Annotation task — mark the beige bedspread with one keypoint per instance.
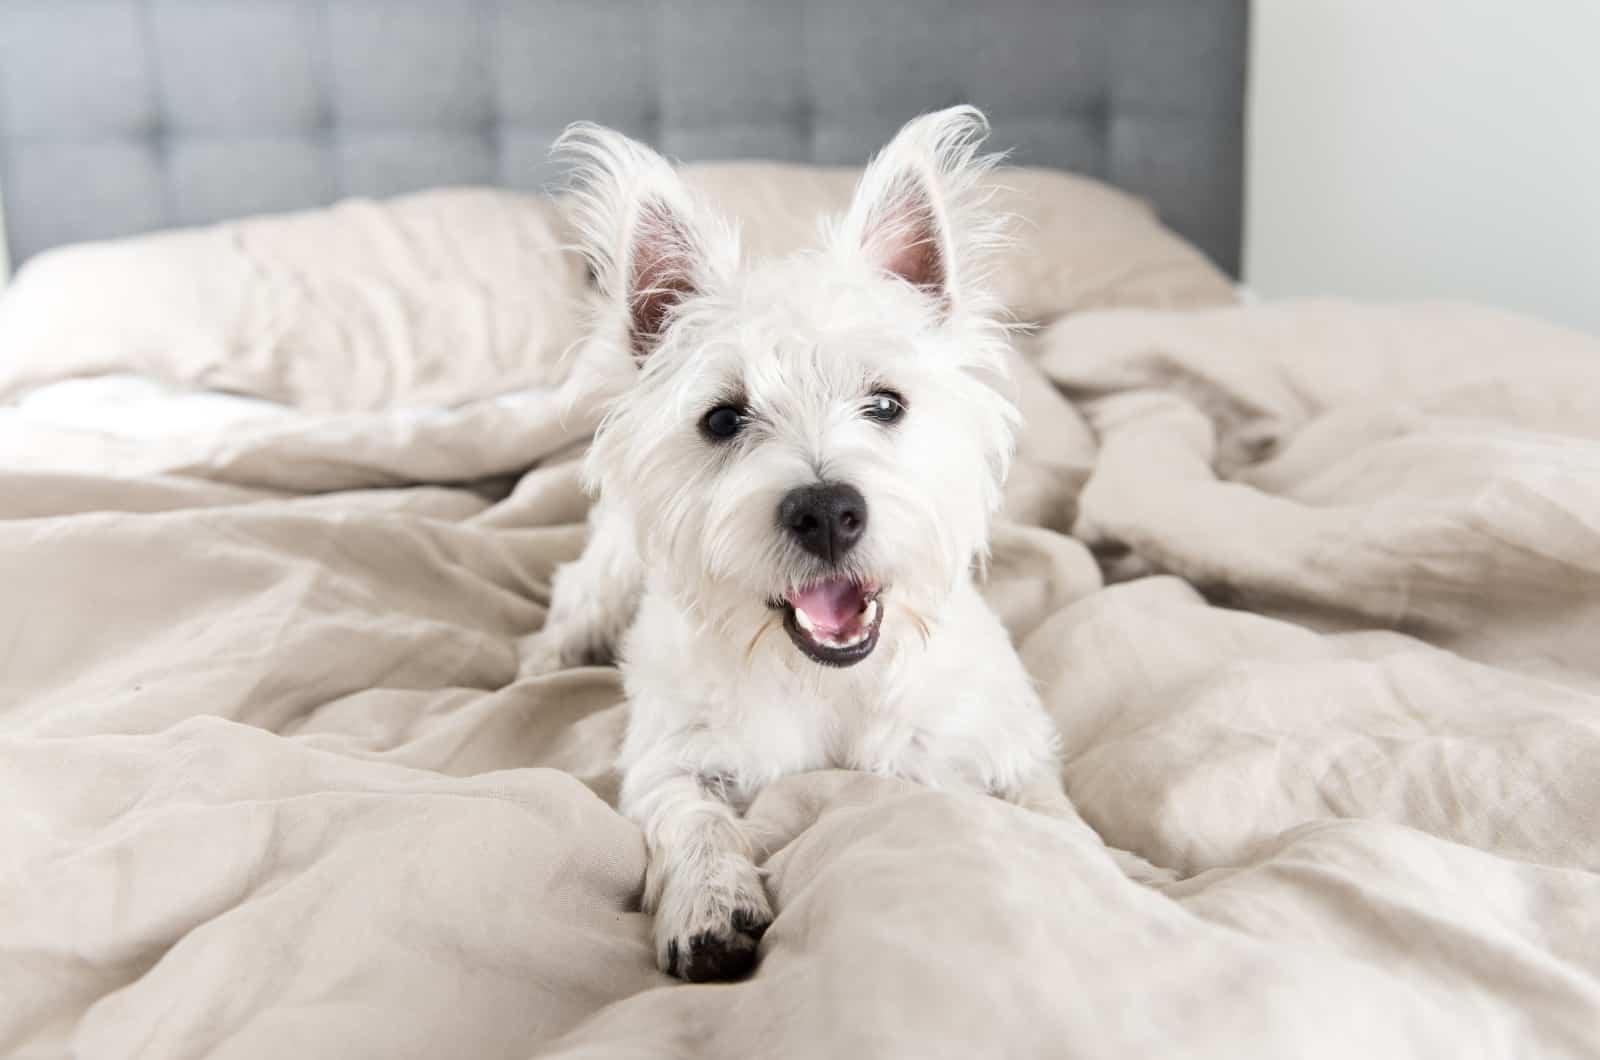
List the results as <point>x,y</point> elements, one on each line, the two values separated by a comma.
<point>270,785</point>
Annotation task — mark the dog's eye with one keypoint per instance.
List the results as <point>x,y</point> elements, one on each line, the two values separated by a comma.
<point>885,406</point>
<point>723,422</point>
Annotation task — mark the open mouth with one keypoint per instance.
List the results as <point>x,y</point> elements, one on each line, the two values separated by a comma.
<point>834,621</point>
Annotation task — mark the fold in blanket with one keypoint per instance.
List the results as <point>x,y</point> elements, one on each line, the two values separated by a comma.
<point>270,785</point>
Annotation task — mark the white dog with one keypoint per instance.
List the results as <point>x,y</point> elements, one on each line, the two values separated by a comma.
<point>794,487</point>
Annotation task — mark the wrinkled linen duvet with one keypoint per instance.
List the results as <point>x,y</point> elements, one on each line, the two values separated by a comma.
<point>1324,639</point>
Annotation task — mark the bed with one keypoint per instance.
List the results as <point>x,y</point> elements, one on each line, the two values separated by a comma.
<point>1310,587</point>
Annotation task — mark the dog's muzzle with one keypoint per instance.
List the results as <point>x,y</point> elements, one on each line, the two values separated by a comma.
<point>833,619</point>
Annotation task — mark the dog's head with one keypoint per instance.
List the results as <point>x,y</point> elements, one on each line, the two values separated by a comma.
<point>814,440</point>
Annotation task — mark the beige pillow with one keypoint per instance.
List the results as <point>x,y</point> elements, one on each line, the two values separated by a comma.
<point>427,299</point>
<point>1076,243</point>
<point>441,297</point>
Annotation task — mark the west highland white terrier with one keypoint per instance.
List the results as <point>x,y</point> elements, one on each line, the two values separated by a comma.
<point>794,487</point>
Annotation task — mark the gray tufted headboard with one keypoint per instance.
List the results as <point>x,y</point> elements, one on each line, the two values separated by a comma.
<point>121,116</point>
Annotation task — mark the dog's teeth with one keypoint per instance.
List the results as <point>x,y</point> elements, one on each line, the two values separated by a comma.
<point>871,613</point>
<point>802,619</point>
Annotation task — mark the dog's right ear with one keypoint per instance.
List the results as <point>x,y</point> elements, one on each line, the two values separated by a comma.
<point>649,244</point>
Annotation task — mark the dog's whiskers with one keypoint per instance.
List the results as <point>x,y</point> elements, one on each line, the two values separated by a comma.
<point>750,649</point>
<point>920,622</point>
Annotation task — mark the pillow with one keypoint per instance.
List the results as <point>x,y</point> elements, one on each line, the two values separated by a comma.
<point>1076,243</point>
<point>441,297</point>
<point>428,299</point>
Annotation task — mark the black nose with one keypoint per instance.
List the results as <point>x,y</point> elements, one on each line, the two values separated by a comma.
<point>826,519</point>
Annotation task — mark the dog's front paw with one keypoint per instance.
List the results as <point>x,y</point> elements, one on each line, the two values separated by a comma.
<point>710,957</point>
<point>561,648</point>
<point>709,930</point>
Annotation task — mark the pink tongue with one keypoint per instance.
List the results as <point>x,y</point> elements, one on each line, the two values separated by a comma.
<point>832,606</point>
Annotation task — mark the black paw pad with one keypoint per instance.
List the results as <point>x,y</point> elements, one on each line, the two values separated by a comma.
<point>716,957</point>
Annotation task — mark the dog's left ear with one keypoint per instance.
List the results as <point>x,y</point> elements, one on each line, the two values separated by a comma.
<point>650,245</point>
<point>919,210</point>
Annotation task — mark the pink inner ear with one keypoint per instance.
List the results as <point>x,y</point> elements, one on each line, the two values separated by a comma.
<point>905,239</point>
<point>660,276</point>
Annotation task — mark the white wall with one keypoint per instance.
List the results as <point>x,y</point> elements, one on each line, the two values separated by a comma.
<point>1427,148</point>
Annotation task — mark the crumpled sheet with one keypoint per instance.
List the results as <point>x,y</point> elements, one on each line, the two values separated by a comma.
<point>269,783</point>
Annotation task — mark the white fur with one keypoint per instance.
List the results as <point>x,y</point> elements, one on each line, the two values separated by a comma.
<point>685,530</point>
